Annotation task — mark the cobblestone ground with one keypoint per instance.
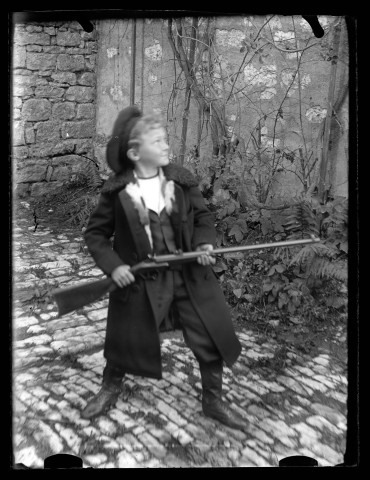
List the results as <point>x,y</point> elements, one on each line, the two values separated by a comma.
<point>57,367</point>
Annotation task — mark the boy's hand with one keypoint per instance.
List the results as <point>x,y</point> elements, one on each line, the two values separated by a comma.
<point>122,276</point>
<point>206,259</point>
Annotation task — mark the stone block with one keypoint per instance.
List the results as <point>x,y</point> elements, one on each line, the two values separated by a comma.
<point>64,77</point>
<point>41,81</point>
<point>50,30</point>
<point>34,28</point>
<point>41,150</point>
<point>81,129</point>
<point>85,110</point>
<point>93,46</point>
<point>87,78</point>
<point>49,149</point>
<point>76,51</point>
<point>36,109</point>
<point>89,35</point>
<point>64,147</point>
<point>22,190</point>
<point>49,172</point>
<point>90,62</point>
<point>64,110</point>
<point>22,91</point>
<point>16,114</point>
<point>33,48</point>
<point>41,61</point>
<point>36,38</point>
<point>70,62</point>
<point>16,102</point>
<point>31,172</point>
<point>53,49</point>
<point>49,91</point>
<point>48,131</point>
<point>80,94</point>
<point>19,152</point>
<point>68,39</point>
<point>30,135</point>
<point>18,133</point>
<point>24,80</point>
<point>19,57</point>
<point>83,146</point>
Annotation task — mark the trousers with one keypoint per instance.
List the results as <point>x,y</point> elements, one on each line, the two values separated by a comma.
<point>171,293</point>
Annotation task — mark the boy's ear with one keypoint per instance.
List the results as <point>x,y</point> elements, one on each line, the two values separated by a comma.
<point>133,154</point>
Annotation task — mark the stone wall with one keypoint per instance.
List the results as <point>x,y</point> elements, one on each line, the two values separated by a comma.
<point>53,96</point>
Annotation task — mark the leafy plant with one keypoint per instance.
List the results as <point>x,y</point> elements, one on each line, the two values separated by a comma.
<point>73,203</point>
<point>326,259</point>
<point>299,271</point>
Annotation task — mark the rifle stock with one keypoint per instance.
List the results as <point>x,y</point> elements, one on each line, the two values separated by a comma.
<point>74,297</point>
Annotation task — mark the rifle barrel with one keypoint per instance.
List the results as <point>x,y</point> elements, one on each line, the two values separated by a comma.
<point>242,248</point>
<point>286,243</point>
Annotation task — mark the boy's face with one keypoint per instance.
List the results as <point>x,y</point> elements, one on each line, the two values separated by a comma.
<point>153,148</point>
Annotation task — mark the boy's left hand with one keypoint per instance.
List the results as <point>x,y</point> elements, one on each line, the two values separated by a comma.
<point>206,259</point>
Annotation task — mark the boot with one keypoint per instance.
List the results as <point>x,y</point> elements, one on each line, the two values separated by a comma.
<point>106,397</point>
<point>212,403</point>
<point>108,394</point>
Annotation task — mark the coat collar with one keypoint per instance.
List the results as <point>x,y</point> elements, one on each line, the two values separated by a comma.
<point>137,214</point>
<point>178,174</point>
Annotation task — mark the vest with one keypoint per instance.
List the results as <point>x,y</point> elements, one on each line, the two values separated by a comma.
<point>162,233</point>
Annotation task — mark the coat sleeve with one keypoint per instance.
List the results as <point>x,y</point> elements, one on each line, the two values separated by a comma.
<point>98,233</point>
<point>204,228</point>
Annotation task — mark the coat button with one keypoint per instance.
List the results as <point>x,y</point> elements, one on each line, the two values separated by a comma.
<point>134,257</point>
<point>207,276</point>
<point>135,287</point>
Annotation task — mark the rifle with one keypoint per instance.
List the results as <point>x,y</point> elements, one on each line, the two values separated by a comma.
<point>74,297</point>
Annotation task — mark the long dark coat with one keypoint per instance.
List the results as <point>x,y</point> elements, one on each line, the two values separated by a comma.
<point>132,337</point>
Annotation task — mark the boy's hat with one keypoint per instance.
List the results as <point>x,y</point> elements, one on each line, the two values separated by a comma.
<point>117,146</point>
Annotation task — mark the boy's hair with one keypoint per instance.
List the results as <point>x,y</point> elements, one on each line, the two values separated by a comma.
<point>144,125</point>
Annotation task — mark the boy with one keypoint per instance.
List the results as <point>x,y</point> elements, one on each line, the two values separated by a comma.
<point>153,207</point>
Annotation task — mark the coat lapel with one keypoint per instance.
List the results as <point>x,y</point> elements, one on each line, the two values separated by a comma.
<point>177,215</point>
<point>137,230</point>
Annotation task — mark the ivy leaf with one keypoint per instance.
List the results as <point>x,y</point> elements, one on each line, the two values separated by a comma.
<point>296,301</point>
<point>267,287</point>
<point>291,308</point>
<point>231,208</point>
<point>281,303</point>
<point>280,268</point>
<point>335,301</point>
<point>271,271</point>
<point>238,234</point>
<point>270,298</point>
<point>220,267</point>
<point>305,290</point>
<point>237,292</point>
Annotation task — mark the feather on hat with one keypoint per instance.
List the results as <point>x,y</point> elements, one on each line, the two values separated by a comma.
<point>117,146</point>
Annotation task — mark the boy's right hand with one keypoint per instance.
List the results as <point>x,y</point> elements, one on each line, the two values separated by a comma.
<point>122,276</point>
